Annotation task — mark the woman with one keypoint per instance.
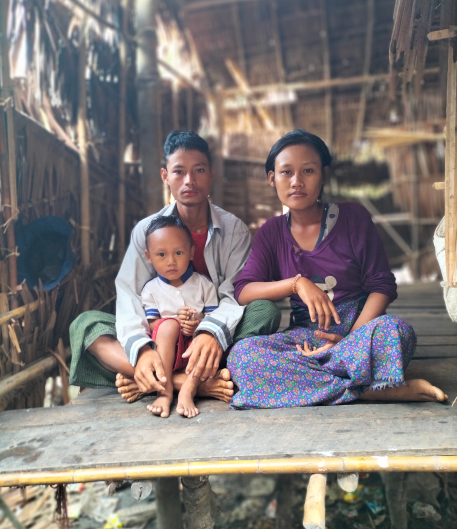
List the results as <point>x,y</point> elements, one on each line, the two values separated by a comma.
<point>329,259</point>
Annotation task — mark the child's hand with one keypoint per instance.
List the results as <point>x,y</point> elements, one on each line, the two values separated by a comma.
<point>188,321</point>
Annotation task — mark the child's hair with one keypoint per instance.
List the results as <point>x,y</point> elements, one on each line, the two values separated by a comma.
<point>167,221</point>
<point>187,140</point>
<point>298,137</point>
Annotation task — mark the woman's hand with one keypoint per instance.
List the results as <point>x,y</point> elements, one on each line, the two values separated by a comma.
<point>332,340</point>
<point>318,303</point>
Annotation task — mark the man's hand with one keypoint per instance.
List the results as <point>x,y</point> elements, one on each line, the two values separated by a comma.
<point>189,320</point>
<point>204,355</point>
<point>332,340</point>
<point>149,372</point>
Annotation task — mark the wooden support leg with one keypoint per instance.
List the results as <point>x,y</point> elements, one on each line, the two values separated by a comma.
<point>168,504</point>
<point>314,516</point>
<point>201,510</point>
<point>284,499</point>
<point>395,484</point>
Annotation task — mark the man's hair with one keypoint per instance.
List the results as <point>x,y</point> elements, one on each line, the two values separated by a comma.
<point>298,137</point>
<point>167,221</point>
<point>187,140</point>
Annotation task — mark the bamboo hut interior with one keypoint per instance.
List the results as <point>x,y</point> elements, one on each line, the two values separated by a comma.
<point>241,73</point>
<point>89,90</point>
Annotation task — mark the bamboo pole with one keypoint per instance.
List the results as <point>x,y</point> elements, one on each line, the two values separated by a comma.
<point>5,80</point>
<point>31,372</point>
<point>82,142</point>
<point>322,465</point>
<point>121,131</point>
<point>314,515</point>
<point>17,313</point>
<point>321,84</point>
<point>148,83</point>
<point>7,213</point>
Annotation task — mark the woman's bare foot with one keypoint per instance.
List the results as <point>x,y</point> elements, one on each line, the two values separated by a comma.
<point>220,387</point>
<point>416,390</point>
<point>128,388</point>
<point>186,406</point>
<point>161,406</point>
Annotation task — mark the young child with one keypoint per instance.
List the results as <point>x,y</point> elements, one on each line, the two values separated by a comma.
<point>175,302</point>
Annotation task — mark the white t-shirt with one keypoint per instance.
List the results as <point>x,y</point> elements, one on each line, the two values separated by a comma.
<point>160,299</point>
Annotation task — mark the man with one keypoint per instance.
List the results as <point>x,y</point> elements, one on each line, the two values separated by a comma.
<point>109,350</point>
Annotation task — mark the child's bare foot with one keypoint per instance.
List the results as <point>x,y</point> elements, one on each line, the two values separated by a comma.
<point>416,390</point>
<point>128,388</point>
<point>161,406</point>
<point>186,406</point>
<point>220,387</point>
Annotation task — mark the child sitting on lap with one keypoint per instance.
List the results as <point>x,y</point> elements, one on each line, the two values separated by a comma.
<point>175,302</point>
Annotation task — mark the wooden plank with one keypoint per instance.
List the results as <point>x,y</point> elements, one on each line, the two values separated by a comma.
<point>440,351</point>
<point>108,431</point>
<point>443,34</point>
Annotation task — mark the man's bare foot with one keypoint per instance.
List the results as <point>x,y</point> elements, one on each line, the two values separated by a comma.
<point>220,387</point>
<point>186,406</point>
<point>416,390</point>
<point>128,388</point>
<point>161,406</point>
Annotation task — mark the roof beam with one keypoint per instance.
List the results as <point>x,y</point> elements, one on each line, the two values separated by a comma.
<point>321,84</point>
<point>203,4</point>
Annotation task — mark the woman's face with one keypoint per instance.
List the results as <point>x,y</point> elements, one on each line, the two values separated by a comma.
<point>298,176</point>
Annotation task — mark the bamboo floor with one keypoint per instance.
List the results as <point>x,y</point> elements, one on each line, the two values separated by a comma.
<point>100,431</point>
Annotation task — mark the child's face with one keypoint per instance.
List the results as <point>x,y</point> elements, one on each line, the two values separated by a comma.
<point>169,251</point>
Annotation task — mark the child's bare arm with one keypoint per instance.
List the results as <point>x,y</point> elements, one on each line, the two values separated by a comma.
<point>153,323</point>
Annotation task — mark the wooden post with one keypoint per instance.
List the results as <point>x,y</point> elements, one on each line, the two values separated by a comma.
<point>314,515</point>
<point>5,80</point>
<point>327,75</point>
<point>395,485</point>
<point>168,504</point>
<point>284,501</point>
<point>239,39</point>
<point>121,130</point>
<point>148,102</point>
<point>450,171</point>
<point>279,58</point>
<point>366,71</point>
<point>415,216</point>
<point>218,163</point>
<point>82,143</point>
<point>201,510</point>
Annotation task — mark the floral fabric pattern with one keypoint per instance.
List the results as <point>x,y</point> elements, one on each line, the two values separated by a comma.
<point>271,373</point>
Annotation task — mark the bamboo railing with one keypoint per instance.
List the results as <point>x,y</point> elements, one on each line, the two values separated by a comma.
<point>320,465</point>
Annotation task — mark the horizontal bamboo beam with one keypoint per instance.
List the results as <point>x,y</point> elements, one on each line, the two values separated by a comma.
<point>443,34</point>
<point>320,84</point>
<point>439,185</point>
<point>316,465</point>
<point>31,372</point>
<point>203,4</point>
<point>20,311</point>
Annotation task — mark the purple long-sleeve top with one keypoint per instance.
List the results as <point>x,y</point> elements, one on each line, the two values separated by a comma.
<point>349,261</point>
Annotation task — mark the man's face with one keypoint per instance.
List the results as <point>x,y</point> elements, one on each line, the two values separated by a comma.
<point>188,174</point>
